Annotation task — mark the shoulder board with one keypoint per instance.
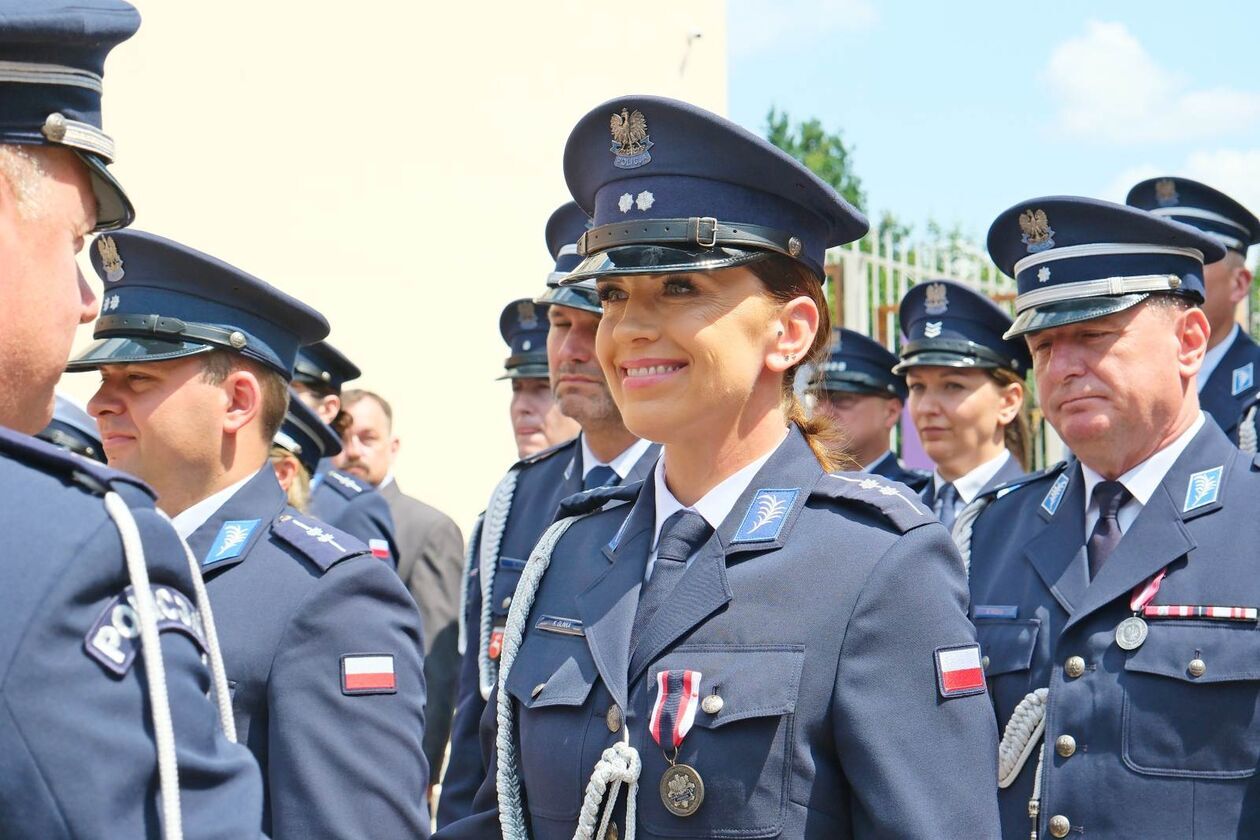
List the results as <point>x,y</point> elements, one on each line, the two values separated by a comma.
<point>894,500</point>
<point>546,453</point>
<point>91,475</point>
<point>346,485</point>
<point>590,501</point>
<point>1031,478</point>
<point>321,543</point>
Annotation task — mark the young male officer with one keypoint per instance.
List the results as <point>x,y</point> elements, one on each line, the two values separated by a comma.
<point>321,640</point>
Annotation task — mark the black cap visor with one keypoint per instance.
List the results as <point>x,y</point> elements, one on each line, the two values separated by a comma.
<point>1073,311</point>
<point>660,259</point>
<point>122,350</point>
<point>573,297</point>
<point>113,208</point>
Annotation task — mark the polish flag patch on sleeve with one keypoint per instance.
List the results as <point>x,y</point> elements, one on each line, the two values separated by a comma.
<point>380,549</point>
<point>958,671</point>
<point>368,673</point>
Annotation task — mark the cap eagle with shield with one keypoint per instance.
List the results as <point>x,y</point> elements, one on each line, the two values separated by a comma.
<point>1074,259</point>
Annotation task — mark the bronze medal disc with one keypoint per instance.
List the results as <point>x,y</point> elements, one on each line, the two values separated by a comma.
<point>1131,633</point>
<point>682,790</point>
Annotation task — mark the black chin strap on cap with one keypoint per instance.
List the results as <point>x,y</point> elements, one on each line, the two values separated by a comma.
<point>704,231</point>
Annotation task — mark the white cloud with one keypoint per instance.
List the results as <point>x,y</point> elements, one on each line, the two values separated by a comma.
<point>757,25</point>
<point>1110,88</point>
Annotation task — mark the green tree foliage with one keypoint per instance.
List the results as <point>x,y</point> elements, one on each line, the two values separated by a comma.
<point>823,152</point>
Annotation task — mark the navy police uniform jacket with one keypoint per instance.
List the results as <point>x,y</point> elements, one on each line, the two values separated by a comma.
<point>353,505</point>
<point>890,466</point>
<point>1159,747</point>
<point>77,752</point>
<point>544,479</point>
<point>322,647</point>
<point>1232,384</point>
<point>1009,472</point>
<point>817,611</point>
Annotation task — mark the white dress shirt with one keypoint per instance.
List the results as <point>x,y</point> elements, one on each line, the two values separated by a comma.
<point>1212,359</point>
<point>1140,481</point>
<point>621,465</point>
<point>970,485</point>
<point>192,518</point>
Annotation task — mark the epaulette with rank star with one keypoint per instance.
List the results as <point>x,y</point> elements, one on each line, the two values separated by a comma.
<point>86,473</point>
<point>322,544</point>
<point>895,501</point>
<point>344,484</point>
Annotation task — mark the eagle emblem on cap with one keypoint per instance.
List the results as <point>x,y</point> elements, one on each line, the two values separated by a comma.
<point>111,262</point>
<point>527,315</point>
<point>936,301</point>
<point>1166,192</point>
<point>630,141</point>
<point>1038,235</point>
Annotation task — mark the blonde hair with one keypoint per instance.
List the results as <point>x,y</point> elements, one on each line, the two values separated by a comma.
<point>25,174</point>
<point>1017,434</point>
<point>300,488</point>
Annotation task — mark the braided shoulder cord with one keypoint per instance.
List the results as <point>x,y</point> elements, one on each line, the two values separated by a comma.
<point>1021,735</point>
<point>963,526</point>
<point>1247,431</point>
<point>508,780</point>
<point>494,523</point>
<point>619,765</point>
<point>465,592</point>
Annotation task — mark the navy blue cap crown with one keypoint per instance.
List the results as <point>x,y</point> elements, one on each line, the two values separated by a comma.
<point>321,364</point>
<point>523,325</point>
<point>564,229</point>
<point>672,187</point>
<point>860,365</point>
<point>1075,258</point>
<point>164,300</point>
<point>947,324</point>
<point>74,430</point>
<point>305,435</point>
<point>51,84</point>
<point>1200,206</point>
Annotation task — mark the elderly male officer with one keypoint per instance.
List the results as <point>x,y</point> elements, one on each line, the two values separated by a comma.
<point>341,500</point>
<point>526,500</point>
<point>1231,369</point>
<point>107,729</point>
<point>1116,614</point>
<point>321,640</point>
<point>856,386</point>
<point>537,423</point>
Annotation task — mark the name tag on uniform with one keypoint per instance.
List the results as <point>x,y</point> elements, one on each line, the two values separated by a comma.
<point>511,564</point>
<point>561,625</point>
<point>995,611</point>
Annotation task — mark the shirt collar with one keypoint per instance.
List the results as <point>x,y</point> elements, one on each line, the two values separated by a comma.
<point>1142,480</point>
<point>621,465</point>
<point>386,481</point>
<point>970,485</point>
<point>715,505</point>
<point>190,519</point>
<point>1212,359</point>
<point>873,464</point>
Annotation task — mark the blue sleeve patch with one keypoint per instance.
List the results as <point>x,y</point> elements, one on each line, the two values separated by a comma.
<point>231,540</point>
<point>114,639</point>
<point>766,515</point>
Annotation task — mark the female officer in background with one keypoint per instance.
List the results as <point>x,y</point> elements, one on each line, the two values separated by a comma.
<point>966,392</point>
<point>743,644</point>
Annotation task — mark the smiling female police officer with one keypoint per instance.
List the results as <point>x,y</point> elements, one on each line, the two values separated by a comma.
<point>744,644</point>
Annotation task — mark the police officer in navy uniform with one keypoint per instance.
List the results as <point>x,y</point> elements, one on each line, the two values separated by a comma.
<point>303,440</point>
<point>1231,369</point>
<point>537,422</point>
<point>110,724</point>
<point>966,392</point>
<point>527,498</point>
<point>321,640</point>
<point>338,498</point>
<point>858,390</point>
<point>1115,610</point>
<point>743,644</point>
<point>74,430</point>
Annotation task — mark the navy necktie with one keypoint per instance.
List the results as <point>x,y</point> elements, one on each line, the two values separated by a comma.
<point>681,536</point>
<point>1111,496</point>
<point>599,477</point>
<point>946,505</point>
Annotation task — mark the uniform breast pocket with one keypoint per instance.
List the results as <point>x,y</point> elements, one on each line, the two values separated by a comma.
<point>550,681</point>
<point>740,745</point>
<point>1192,701</point>
<point>1007,647</point>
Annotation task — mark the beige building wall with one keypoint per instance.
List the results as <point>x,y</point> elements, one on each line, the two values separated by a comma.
<point>393,164</point>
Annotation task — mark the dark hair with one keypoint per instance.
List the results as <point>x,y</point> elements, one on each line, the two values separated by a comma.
<point>1017,434</point>
<point>354,395</point>
<point>786,279</point>
<point>217,365</point>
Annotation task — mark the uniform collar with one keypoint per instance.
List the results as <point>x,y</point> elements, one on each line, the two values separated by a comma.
<point>970,485</point>
<point>621,465</point>
<point>247,513</point>
<point>873,464</point>
<point>190,519</point>
<point>1142,480</point>
<point>715,505</point>
<point>1212,359</point>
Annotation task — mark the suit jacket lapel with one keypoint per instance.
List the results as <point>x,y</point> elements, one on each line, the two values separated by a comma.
<point>1057,552</point>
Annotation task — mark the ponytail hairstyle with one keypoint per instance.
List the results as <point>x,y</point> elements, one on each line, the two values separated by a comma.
<point>786,279</point>
<point>1017,433</point>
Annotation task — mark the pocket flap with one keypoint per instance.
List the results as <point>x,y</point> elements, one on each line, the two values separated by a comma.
<point>1229,652</point>
<point>1008,643</point>
<point>552,672</point>
<point>751,680</point>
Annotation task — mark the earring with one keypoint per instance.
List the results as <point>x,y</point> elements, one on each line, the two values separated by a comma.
<point>789,356</point>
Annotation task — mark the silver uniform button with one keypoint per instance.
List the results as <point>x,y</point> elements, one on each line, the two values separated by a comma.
<point>537,689</point>
<point>712,704</point>
<point>1074,667</point>
<point>1065,745</point>
<point>507,602</point>
<point>984,663</point>
<point>1059,826</point>
<point>613,718</point>
<point>1197,667</point>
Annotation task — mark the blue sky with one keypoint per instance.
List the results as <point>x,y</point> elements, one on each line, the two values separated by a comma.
<point>956,111</point>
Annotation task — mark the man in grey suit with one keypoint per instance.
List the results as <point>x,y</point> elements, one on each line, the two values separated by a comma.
<point>430,561</point>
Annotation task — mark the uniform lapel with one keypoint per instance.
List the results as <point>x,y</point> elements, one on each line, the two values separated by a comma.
<point>1009,471</point>
<point>260,500</point>
<point>1217,397</point>
<point>1057,552</point>
<point>642,468</point>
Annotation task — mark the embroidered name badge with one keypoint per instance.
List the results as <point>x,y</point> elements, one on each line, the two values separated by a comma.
<point>1054,496</point>
<point>368,673</point>
<point>766,516</point>
<point>1203,488</point>
<point>114,639</point>
<point>231,540</point>
<point>561,625</point>
<point>1243,378</point>
<point>511,564</point>
<point>994,611</point>
<point>958,671</point>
